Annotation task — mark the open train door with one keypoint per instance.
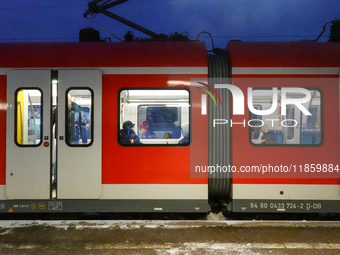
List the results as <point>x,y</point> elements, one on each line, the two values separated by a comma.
<point>79,134</point>
<point>28,134</point>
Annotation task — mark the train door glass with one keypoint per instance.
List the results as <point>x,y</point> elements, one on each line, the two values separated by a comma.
<point>79,119</point>
<point>28,136</point>
<point>291,128</point>
<point>28,120</point>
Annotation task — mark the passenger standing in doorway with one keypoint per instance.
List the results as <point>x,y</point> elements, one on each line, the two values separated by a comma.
<point>76,123</point>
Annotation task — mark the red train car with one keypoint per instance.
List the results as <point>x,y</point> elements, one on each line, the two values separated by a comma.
<point>300,172</point>
<point>65,108</point>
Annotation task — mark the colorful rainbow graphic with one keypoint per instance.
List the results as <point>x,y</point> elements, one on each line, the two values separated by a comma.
<point>208,92</point>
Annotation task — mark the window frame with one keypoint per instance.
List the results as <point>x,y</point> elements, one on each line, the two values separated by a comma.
<point>293,145</point>
<point>153,145</point>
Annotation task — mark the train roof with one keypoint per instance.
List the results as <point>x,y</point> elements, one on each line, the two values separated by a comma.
<point>103,54</point>
<point>284,54</point>
<point>166,54</point>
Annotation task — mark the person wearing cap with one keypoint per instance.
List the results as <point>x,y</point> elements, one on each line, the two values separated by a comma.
<point>127,135</point>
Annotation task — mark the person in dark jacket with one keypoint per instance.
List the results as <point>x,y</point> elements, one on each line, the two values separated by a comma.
<point>127,135</point>
<point>265,136</point>
<point>77,123</point>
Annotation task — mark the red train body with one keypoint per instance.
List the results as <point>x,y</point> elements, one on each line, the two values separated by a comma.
<point>51,162</point>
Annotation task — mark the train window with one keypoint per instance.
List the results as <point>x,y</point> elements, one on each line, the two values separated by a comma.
<point>291,128</point>
<point>28,117</point>
<point>79,117</point>
<point>154,117</point>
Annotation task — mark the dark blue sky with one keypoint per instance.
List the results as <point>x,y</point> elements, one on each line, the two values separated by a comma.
<point>247,20</point>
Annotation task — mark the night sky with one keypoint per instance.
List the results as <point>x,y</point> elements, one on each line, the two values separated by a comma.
<point>247,20</point>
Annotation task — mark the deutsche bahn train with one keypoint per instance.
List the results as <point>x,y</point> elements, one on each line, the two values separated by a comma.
<point>259,121</point>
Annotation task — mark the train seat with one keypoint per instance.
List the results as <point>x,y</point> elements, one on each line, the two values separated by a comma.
<point>307,139</point>
<point>279,138</point>
<point>311,137</point>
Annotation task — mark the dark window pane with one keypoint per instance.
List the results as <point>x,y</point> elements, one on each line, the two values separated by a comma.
<point>78,120</point>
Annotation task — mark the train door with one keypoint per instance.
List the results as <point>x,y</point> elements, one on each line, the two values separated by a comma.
<point>79,134</point>
<point>28,134</point>
<point>49,153</point>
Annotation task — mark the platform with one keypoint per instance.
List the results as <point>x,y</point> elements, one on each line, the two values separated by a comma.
<point>212,236</point>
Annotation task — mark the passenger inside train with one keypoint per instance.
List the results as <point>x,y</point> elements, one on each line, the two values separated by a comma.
<point>265,136</point>
<point>177,130</point>
<point>167,135</point>
<point>185,134</point>
<point>127,135</point>
<point>146,131</point>
<point>77,123</point>
<point>78,117</point>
